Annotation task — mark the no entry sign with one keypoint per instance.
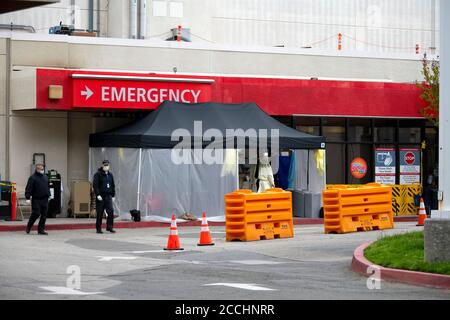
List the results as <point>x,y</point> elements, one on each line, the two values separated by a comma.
<point>409,166</point>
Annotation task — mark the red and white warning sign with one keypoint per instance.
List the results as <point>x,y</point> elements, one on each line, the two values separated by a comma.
<point>409,166</point>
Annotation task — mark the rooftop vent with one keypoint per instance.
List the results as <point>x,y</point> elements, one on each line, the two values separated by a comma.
<point>184,33</point>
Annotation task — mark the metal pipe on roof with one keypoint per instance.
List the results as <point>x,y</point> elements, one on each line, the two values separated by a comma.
<point>91,15</point>
<point>142,19</point>
<point>133,19</point>
<point>13,26</point>
<point>98,18</point>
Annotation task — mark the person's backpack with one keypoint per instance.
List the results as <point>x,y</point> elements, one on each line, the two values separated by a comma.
<point>135,215</point>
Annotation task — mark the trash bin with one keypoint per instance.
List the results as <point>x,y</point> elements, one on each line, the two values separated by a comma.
<point>5,200</point>
<point>313,204</point>
<point>54,183</point>
<point>136,215</point>
<point>298,203</point>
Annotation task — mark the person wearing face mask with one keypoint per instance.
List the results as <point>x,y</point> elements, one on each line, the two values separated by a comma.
<point>104,189</point>
<point>38,190</point>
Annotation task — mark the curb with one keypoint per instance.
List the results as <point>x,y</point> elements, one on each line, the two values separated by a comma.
<point>153,224</point>
<point>117,225</point>
<point>360,265</point>
<point>135,225</point>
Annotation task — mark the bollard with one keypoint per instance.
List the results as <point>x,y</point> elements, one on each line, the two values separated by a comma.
<point>179,34</point>
<point>13,203</point>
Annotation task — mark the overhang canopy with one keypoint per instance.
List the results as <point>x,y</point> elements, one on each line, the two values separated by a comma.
<point>14,5</point>
<point>227,124</point>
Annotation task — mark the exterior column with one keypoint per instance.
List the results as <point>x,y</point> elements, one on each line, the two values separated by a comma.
<point>444,108</point>
<point>437,229</point>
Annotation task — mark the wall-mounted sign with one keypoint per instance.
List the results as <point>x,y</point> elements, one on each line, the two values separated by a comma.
<point>358,168</point>
<point>409,166</point>
<point>133,92</point>
<point>385,165</point>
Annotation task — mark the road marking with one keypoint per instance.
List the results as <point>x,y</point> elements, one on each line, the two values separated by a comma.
<point>115,258</point>
<point>255,262</point>
<point>148,251</point>
<point>245,262</point>
<point>67,291</point>
<point>245,286</point>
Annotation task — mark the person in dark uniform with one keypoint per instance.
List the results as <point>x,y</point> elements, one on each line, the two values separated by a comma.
<point>104,189</point>
<point>38,190</point>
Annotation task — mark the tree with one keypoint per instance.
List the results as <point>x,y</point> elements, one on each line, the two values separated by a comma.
<point>430,90</point>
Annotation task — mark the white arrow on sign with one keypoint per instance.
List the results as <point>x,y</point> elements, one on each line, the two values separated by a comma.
<point>245,286</point>
<point>87,92</point>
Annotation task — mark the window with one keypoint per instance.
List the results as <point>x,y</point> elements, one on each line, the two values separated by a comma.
<point>335,155</point>
<point>409,131</point>
<point>159,8</point>
<point>176,9</point>
<point>359,130</point>
<point>352,138</point>
<point>308,125</point>
<point>384,131</point>
<point>334,129</point>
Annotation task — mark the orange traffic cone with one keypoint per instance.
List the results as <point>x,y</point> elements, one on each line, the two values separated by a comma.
<point>174,240</point>
<point>422,213</point>
<point>205,235</point>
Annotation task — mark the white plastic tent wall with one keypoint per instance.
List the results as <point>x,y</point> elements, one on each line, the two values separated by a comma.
<point>149,181</point>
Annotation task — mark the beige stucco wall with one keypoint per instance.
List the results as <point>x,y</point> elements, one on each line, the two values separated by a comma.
<point>3,142</point>
<point>2,146</point>
<point>33,132</point>
<point>80,125</point>
<point>39,53</point>
<point>2,84</point>
<point>186,59</point>
<point>23,88</point>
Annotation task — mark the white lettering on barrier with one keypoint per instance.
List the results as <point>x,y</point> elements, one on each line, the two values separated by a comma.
<point>153,95</point>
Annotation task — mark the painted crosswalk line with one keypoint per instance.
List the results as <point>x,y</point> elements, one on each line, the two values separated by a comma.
<point>255,262</point>
<point>148,251</point>
<point>245,286</point>
<point>115,258</point>
<point>67,291</point>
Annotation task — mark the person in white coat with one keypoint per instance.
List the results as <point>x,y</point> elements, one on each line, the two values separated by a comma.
<point>265,174</point>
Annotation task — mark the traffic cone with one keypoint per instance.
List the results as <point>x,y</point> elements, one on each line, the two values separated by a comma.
<point>422,213</point>
<point>174,241</point>
<point>205,234</point>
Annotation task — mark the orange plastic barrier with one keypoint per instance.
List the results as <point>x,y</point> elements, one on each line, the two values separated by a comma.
<point>258,216</point>
<point>358,209</point>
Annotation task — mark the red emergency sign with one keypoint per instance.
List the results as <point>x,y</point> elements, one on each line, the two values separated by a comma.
<point>121,92</point>
<point>114,90</point>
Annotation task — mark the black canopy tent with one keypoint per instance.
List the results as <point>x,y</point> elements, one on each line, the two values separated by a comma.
<point>147,177</point>
<point>155,130</point>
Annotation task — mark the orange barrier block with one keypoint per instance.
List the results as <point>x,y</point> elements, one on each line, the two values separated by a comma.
<point>358,209</point>
<point>258,216</point>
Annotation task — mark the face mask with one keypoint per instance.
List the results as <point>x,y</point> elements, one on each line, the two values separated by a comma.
<point>41,172</point>
<point>105,168</point>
